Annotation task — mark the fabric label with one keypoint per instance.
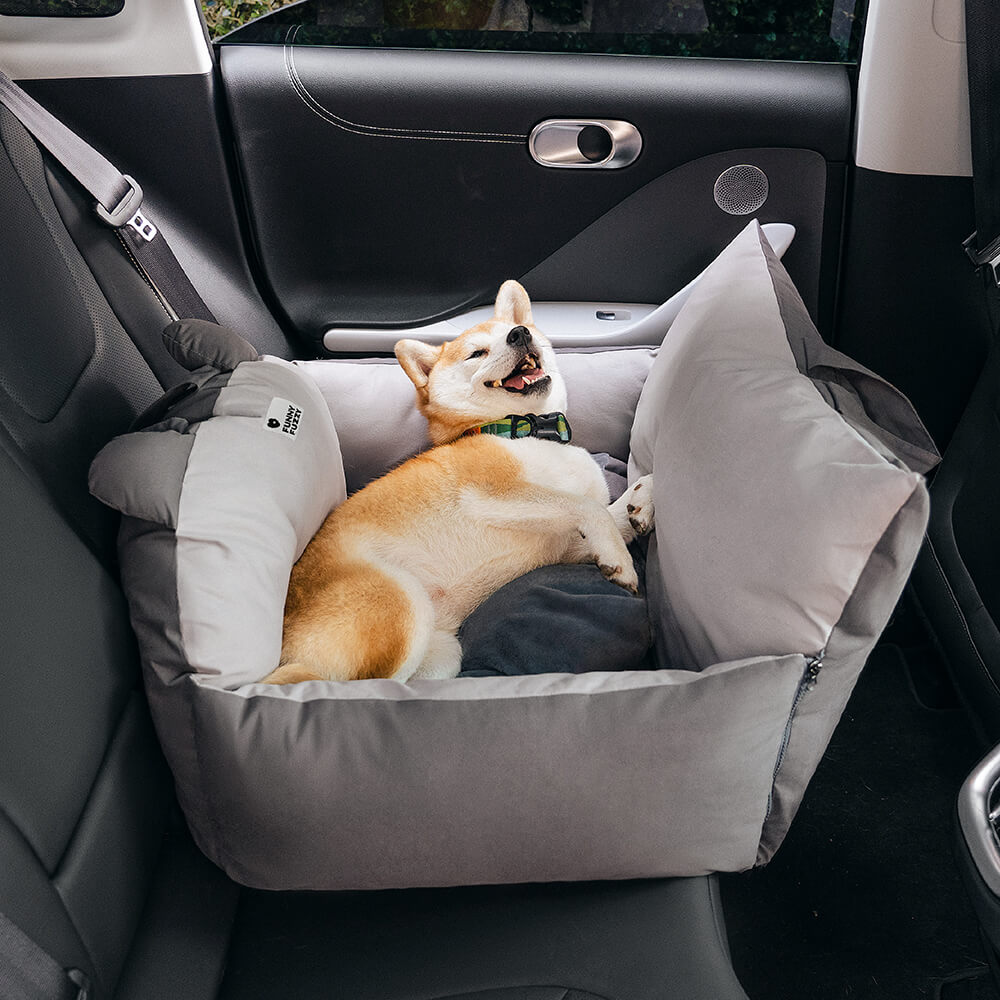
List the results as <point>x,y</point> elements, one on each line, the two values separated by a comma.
<point>283,417</point>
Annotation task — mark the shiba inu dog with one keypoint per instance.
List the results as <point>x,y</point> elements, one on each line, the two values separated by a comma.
<point>382,588</point>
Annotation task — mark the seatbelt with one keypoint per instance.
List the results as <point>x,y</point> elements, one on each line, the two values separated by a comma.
<point>982,32</point>
<point>27,972</point>
<point>118,199</point>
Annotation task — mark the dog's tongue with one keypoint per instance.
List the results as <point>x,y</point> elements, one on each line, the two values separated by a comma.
<point>519,380</point>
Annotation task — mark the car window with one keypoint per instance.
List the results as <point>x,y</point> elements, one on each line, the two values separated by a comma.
<point>61,8</point>
<point>813,30</point>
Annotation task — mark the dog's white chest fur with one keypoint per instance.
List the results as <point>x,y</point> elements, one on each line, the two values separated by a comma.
<point>563,467</point>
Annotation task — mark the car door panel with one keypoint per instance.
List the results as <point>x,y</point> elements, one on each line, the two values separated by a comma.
<point>395,187</point>
<point>604,323</point>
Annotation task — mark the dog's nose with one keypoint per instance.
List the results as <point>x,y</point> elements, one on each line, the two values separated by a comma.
<point>519,337</point>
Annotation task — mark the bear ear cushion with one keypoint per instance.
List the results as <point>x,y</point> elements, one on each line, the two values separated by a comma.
<point>197,343</point>
<point>141,474</point>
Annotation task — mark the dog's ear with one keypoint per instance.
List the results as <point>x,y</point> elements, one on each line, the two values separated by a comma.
<point>417,359</point>
<point>513,304</point>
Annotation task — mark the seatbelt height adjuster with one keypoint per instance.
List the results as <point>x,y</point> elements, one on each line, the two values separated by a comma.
<point>990,256</point>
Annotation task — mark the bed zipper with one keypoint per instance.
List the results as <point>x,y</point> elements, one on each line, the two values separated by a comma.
<point>809,678</point>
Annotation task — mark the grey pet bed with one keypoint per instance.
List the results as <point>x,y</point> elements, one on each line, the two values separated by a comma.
<point>790,507</point>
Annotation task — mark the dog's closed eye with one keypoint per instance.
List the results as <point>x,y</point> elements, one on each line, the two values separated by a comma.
<point>482,352</point>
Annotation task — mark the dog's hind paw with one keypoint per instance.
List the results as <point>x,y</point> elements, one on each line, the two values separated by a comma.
<point>640,506</point>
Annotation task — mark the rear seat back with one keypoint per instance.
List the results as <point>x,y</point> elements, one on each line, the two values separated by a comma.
<point>83,790</point>
<point>84,793</point>
<point>71,376</point>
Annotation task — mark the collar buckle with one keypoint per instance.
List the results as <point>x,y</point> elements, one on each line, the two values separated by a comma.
<point>545,426</point>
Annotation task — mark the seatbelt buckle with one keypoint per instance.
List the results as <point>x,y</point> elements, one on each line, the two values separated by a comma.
<point>990,255</point>
<point>126,209</point>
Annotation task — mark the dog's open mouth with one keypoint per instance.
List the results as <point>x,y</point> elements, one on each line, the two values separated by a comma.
<point>527,376</point>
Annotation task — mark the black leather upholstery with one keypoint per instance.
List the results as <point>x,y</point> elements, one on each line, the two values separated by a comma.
<point>72,376</point>
<point>957,578</point>
<point>641,940</point>
<point>83,789</point>
<point>647,940</point>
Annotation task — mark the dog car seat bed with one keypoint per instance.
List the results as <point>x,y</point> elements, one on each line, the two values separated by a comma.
<point>790,507</point>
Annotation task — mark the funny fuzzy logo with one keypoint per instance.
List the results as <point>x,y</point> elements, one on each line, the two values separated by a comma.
<point>283,417</point>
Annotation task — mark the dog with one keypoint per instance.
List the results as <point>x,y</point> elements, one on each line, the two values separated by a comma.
<point>382,588</point>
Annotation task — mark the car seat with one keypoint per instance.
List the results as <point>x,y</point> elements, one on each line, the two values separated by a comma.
<point>99,872</point>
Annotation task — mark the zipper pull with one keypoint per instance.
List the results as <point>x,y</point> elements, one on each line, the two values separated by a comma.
<point>813,666</point>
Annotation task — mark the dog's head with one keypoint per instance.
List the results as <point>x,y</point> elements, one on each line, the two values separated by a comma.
<point>502,366</point>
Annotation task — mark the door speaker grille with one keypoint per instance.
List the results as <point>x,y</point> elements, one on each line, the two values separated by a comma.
<point>741,190</point>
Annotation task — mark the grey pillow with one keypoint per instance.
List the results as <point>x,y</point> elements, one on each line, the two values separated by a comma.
<point>769,502</point>
<point>789,498</point>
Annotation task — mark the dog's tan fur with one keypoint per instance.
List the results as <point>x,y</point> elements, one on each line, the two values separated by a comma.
<point>383,587</point>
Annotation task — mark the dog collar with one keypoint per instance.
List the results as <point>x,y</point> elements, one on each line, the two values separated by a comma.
<point>547,426</point>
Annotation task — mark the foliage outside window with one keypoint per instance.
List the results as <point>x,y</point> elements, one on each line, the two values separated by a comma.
<point>223,16</point>
<point>817,30</point>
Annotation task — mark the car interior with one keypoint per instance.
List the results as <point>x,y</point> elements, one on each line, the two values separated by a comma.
<point>331,178</point>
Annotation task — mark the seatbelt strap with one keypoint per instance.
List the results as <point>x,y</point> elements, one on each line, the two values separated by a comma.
<point>27,972</point>
<point>118,200</point>
<point>982,32</point>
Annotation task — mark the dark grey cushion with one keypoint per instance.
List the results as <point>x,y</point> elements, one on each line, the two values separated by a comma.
<point>565,619</point>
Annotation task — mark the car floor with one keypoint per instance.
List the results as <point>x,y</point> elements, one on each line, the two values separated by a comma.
<point>864,900</point>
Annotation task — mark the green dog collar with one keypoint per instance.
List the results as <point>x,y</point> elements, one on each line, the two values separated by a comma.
<point>546,426</point>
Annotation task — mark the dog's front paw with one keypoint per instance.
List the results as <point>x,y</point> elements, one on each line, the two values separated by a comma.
<point>640,505</point>
<point>625,576</point>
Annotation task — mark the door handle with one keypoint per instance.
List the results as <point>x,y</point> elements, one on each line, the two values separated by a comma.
<point>588,143</point>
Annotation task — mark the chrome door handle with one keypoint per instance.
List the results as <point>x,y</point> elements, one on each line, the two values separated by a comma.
<point>589,143</point>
